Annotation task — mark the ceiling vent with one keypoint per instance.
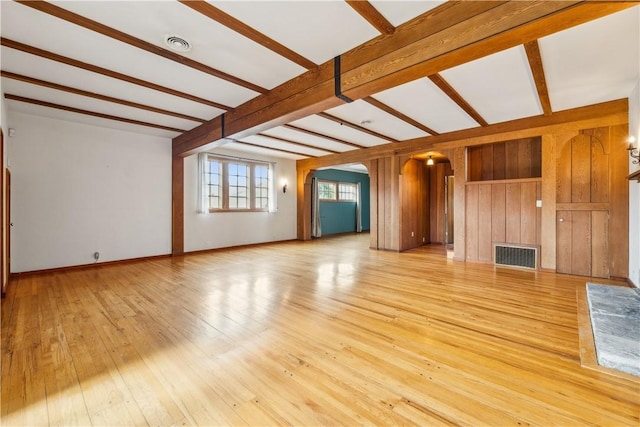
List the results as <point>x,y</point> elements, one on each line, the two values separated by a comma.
<point>177,43</point>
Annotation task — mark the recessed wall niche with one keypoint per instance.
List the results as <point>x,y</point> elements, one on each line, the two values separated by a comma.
<point>520,158</point>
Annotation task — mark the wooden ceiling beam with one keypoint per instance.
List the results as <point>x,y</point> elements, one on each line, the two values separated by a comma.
<point>322,135</point>
<point>371,14</point>
<point>88,113</point>
<point>275,149</point>
<point>448,35</point>
<point>387,109</point>
<point>240,27</point>
<point>612,112</point>
<point>444,86</point>
<point>290,141</point>
<point>105,30</point>
<point>105,72</point>
<point>356,127</point>
<point>94,95</point>
<point>535,63</point>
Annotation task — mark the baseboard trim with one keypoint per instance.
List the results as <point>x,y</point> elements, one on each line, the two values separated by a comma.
<point>226,248</point>
<point>87,266</point>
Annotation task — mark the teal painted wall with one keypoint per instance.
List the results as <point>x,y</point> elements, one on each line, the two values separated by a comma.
<point>340,217</point>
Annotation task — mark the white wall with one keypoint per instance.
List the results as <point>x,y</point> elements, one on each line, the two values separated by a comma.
<point>77,189</point>
<point>225,229</point>
<point>634,191</point>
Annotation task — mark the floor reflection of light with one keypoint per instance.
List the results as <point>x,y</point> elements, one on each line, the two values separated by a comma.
<point>333,276</point>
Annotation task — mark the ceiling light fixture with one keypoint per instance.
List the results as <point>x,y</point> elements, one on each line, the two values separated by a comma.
<point>365,122</point>
<point>177,43</point>
<point>430,161</point>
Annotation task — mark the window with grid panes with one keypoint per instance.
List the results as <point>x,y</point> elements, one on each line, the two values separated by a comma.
<point>327,190</point>
<point>346,192</point>
<point>234,185</point>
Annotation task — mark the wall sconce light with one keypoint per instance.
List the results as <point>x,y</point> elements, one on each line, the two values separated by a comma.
<point>430,161</point>
<point>284,183</point>
<point>633,151</point>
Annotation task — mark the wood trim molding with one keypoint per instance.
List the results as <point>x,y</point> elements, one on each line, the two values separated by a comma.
<point>105,30</point>
<point>89,113</point>
<point>503,181</point>
<point>444,86</point>
<point>387,109</point>
<point>88,266</point>
<point>240,27</point>
<point>94,95</point>
<point>535,63</point>
<point>109,73</point>
<point>582,206</point>
<point>371,14</point>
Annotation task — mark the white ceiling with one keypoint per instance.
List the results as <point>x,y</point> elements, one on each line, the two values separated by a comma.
<point>591,63</point>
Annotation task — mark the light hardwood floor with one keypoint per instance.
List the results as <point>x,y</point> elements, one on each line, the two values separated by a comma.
<point>318,333</point>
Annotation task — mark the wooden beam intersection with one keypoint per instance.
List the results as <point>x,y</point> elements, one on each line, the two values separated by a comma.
<point>453,94</point>
<point>240,27</point>
<point>537,70</point>
<point>387,109</point>
<point>89,113</point>
<point>449,35</point>
<point>371,14</point>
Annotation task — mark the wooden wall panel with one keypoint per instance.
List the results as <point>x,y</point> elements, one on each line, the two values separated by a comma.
<point>472,222</point>
<point>581,169</point>
<point>499,161</point>
<point>512,214</point>
<point>564,240</point>
<point>619,203</point>
<point>485,246</point>
<point>515,159</point>
<point>548,224</point>
<point>459,246</point>
<point>474,163</point>
<point>487,162</point>
<point>498,212</point>
<point>581,243</point>
<point>437,201</point>
<point>524,158</point>
<point>600,165</point>
<point>528,213</point>
<point>563,172</point>
<point>599,244</point>
<point>372,166</point>
<point>414,201</point>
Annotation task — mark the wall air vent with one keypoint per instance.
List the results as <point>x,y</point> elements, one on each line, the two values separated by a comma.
<point>516,256</point>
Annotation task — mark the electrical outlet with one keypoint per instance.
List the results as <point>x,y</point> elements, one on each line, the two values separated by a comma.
<point>96,255</point>
<point>413,234</point>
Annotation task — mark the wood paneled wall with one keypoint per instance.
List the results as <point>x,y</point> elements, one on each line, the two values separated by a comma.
<point>414,204</point>
<point>521,158</point>
<point>501,212</point>
<point>437,200</point>
<point>385,208</point>
<point>592,202</point>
